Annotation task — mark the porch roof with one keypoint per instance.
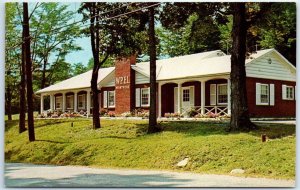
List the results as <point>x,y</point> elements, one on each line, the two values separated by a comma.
<point>77,82</point>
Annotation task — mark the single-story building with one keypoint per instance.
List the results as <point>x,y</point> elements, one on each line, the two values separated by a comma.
<point>200,81</point>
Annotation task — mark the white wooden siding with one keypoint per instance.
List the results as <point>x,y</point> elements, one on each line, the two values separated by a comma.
<point>140,78</point>
<point>261,68</point>
<point>110,83</point>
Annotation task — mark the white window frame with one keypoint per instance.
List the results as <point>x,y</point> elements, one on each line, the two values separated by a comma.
<point>220,103</point>
<point>287,94</point>
<point>60,100</point>
<point>83,103</point>
<point>268,94</point>
<point>108,100</point>
<point>72,101</point>
<point>141,97</point>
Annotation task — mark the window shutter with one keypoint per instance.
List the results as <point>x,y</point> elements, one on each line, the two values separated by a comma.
<point>213,94</point>
<point>175,99</point>
<point>192,96</point>
<point>148,96</point>
<point>105,99</point>
<point>258,93</point>
<point>137,97</point>
<point>284,92</point>
<point>295,93</point>
<point>272,95</point>
<point>114,98</point>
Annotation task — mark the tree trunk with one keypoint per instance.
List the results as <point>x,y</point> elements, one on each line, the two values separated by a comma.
<point>28,73</point>
<point>239,108</point>
<point>8,102</point>
<point>152,51</point>
<point>95,37</point>
<point>43,81</point>
<point>22,116</point>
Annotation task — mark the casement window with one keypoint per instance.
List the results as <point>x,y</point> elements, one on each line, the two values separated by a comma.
<point>218,94</point>
<point>111,99</point>
<point>288,92</point>
<point>222,97</point>
<point>70,104</point>
<point>265,94</point>
<point>142,97</point>
<point>58,102</point>
<point>81,101</point>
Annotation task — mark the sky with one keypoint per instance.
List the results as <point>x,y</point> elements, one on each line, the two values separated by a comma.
<point>85,54</point>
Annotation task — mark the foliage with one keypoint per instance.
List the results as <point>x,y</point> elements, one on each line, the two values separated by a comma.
<point>125,144</point>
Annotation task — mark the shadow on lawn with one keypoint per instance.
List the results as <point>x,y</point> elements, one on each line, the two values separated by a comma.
<point>193,128</point>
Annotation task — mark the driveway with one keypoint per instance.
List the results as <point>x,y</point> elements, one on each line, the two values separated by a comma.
<point>29,175</point>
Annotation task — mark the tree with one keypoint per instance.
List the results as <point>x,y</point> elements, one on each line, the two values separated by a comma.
<point>110,37</point>
<point>239,108</point>
<point>51,38</point>
<point>152,51</point>
<point>26,46</point>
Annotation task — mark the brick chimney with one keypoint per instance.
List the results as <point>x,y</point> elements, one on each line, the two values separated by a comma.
<point>124,83</point>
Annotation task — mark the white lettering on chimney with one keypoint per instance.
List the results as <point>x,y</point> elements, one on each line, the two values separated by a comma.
<point>122,80</point>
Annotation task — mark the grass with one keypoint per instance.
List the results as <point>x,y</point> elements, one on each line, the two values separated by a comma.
<point>125,144</point>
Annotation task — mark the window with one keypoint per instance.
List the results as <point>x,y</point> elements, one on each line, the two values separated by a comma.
<point>111,98</point>
<point>70,102</point>
<point>264,94</point>
<point>145,96</point>
<point>186,95</point>
<point>290,93</point>
<point>92,100</point>
<point>81,101</point>
<point>58,102</point>
<point>222,94</point>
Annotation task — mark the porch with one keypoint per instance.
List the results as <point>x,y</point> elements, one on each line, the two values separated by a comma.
<point>202,97</point>
<point>67,101</point>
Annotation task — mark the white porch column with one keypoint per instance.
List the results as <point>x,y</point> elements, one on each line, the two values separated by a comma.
<point>159,99</point>
<point>51,102</point>
<point>88,102</point>
<point>179,97</point>
<point>202,97</point>
<point>64,102</point>
<point>75,102</point>
<point>42,103</point>
<point>229,95</point>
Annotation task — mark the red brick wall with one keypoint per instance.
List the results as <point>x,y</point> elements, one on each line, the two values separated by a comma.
<point>124,79</point>
<point>282,108</point>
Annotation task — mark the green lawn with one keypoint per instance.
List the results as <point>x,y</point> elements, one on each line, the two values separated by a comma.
<point>123,143</point>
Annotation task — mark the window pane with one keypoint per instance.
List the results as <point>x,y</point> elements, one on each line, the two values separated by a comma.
<point>222,94</point>
<point>264,97</point>
<point>111,98</point>
<point>186,95</point>
<point>145,96</point>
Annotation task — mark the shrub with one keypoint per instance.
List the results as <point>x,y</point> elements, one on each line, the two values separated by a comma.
<point>167,115</point>
<point>111,114</point>
<point>126,114</point>
<point>103,112</point>
<point>192,112</point>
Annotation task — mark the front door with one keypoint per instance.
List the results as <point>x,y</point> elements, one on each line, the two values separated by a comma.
<point>187,99</point>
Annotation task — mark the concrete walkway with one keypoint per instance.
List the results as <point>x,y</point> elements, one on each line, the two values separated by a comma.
<point>28,175</point>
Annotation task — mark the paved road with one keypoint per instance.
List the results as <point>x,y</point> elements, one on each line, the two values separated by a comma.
<point>28,175</point>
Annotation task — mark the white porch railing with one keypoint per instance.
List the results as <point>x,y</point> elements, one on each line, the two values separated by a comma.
<point>217,110</point>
